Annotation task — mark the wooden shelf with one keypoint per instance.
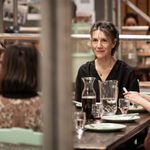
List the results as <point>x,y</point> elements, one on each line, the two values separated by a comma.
<point>142,66</point>
<point>30,29</point>
<point>20,36</point>
<point>144,54</point>
<point>145,84</point>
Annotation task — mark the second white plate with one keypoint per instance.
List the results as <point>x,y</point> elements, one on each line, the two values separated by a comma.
<point>105,126</point>
<point>120,118</point>
<point>136,109</point>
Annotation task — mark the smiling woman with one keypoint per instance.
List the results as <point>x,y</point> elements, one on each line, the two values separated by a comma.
<point>104,43</point>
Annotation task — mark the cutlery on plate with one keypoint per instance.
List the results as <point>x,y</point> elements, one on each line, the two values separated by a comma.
<point>133,115</point>
<point>91,125</point>
<point>130,116</point>
<point>76,102</point>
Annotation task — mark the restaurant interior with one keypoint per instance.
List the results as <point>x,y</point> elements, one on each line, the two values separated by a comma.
<point>59,29</point>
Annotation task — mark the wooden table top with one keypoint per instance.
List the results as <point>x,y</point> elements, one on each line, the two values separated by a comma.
<point>111,140</point>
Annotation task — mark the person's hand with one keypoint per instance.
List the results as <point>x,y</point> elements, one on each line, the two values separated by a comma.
<point>133,96</point>
<point>131,93</point>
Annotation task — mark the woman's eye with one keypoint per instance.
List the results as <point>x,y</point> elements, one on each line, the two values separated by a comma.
<point>94,40</point>
<point>104,40</point>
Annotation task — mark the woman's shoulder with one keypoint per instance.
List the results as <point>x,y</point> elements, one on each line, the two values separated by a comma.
<point>124,65</point>
<point>86,68</point>
<point>86,65</point>
<point>29,111</point>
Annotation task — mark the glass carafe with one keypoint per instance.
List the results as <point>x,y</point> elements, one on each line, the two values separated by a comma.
<point>88,97</point>
<point>109,96</point>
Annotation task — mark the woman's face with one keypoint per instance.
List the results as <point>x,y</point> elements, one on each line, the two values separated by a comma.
<point>130,22</point>
<point>101,44</point>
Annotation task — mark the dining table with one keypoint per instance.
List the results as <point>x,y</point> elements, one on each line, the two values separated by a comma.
<point>112,140</point>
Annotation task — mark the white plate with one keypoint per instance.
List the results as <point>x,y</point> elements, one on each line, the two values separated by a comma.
<point>138,108</point>
<point>105,126</point>
<point>121,118</point>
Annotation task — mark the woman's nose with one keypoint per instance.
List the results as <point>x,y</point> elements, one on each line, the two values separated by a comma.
<point>99,44</point>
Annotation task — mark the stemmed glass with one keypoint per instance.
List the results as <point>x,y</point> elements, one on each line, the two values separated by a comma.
<point>124,105</point>
<point>97,111</point>
<point>79,121</point>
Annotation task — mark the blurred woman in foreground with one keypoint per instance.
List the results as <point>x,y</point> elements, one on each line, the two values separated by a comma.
<point>19,101</point>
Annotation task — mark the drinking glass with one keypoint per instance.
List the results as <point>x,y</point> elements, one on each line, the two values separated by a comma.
<point>109,96</point>
<point>79,121</point>
<point>97,111</point>
<point>124,105</point>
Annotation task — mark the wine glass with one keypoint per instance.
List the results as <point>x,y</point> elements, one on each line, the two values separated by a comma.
<point>124,105</point>
<point>79,121</point>
<point>97,111</point>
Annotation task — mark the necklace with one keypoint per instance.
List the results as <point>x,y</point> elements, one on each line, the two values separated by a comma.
<point>106,71</point>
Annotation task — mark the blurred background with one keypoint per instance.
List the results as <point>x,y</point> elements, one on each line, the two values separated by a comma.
<point>23,16</point>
